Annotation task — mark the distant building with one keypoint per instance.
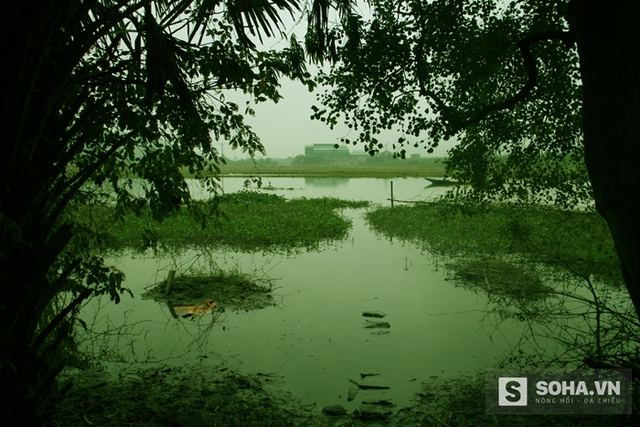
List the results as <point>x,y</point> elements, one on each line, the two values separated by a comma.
<point>326,151</point>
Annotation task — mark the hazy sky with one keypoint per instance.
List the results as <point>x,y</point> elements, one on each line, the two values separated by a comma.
<point>286,127</point>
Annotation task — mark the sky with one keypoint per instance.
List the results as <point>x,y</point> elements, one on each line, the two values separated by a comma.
<point>286,127</point>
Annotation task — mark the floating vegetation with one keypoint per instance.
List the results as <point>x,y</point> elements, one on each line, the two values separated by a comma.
<point>574,241</point>
<point>233,290</point>
<point>557,268</point>
<point>248,221</point>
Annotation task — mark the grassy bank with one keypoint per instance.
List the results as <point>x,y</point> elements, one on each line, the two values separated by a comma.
<point>425,167</point>
<point>248,221</point>
<point>460,402</point>
<point>573,239</point>
<point>199,396</point>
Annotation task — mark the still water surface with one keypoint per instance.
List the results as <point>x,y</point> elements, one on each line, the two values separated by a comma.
<point>315,339</point>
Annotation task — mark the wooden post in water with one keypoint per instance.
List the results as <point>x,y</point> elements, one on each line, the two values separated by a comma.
<point>171,278</point>
<point>391,193</point>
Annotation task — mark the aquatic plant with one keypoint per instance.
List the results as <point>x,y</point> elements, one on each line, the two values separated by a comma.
<point>248,221</point>
<point>555,269</point>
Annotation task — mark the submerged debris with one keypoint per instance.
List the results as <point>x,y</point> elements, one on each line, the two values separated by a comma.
<point>365,385</point>
<point>368,374</point>
<point>334,410</point>
<point>373,313</point>
<point>382,402</point>
<point>192,310</point>
<point>376,324</point>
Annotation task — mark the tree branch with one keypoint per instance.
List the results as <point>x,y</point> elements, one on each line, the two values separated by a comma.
<point>51,326</point>
<point>453,117</point>
<point>532,71</point>
<point>447,112</point>
<point>76,182</point>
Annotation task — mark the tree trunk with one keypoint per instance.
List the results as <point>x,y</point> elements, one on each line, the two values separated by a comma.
<point>608,39</point>
<point>28,246</point>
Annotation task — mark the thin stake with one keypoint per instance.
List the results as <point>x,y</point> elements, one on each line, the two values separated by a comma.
<point>171,278</point>
<point>391,193</point>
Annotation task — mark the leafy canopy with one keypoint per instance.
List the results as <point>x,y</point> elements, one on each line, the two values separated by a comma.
<point>501,77</point>
<point>153,96</point>
<point>98,91</point>
<point>137,89</point>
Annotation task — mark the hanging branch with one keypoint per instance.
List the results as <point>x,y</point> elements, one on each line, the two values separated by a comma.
<point>56,320</point>
<point>532,71</point>
<point>452,116</point>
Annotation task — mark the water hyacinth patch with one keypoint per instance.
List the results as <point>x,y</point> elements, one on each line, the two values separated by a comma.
<point>577,240</point>
<point>248,221</point>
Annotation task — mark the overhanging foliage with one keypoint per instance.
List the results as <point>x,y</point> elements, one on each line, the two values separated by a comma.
<point>96,91</point>
<point>500,77</point>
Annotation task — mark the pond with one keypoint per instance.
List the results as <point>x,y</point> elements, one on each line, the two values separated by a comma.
<point>376,190</point>
<point>315,339</point>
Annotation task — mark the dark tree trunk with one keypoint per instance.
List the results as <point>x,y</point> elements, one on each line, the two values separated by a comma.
<point>28,244</point>
<point>608,40</point>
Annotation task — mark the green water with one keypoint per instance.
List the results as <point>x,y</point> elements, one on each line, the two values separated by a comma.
<point>315,339</point>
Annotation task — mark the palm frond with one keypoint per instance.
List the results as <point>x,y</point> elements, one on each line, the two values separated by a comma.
<point>258,16</point>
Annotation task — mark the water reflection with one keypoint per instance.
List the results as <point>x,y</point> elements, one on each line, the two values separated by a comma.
<point>317,338</point>
<point>377,190</point>
<point>325,182</point>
